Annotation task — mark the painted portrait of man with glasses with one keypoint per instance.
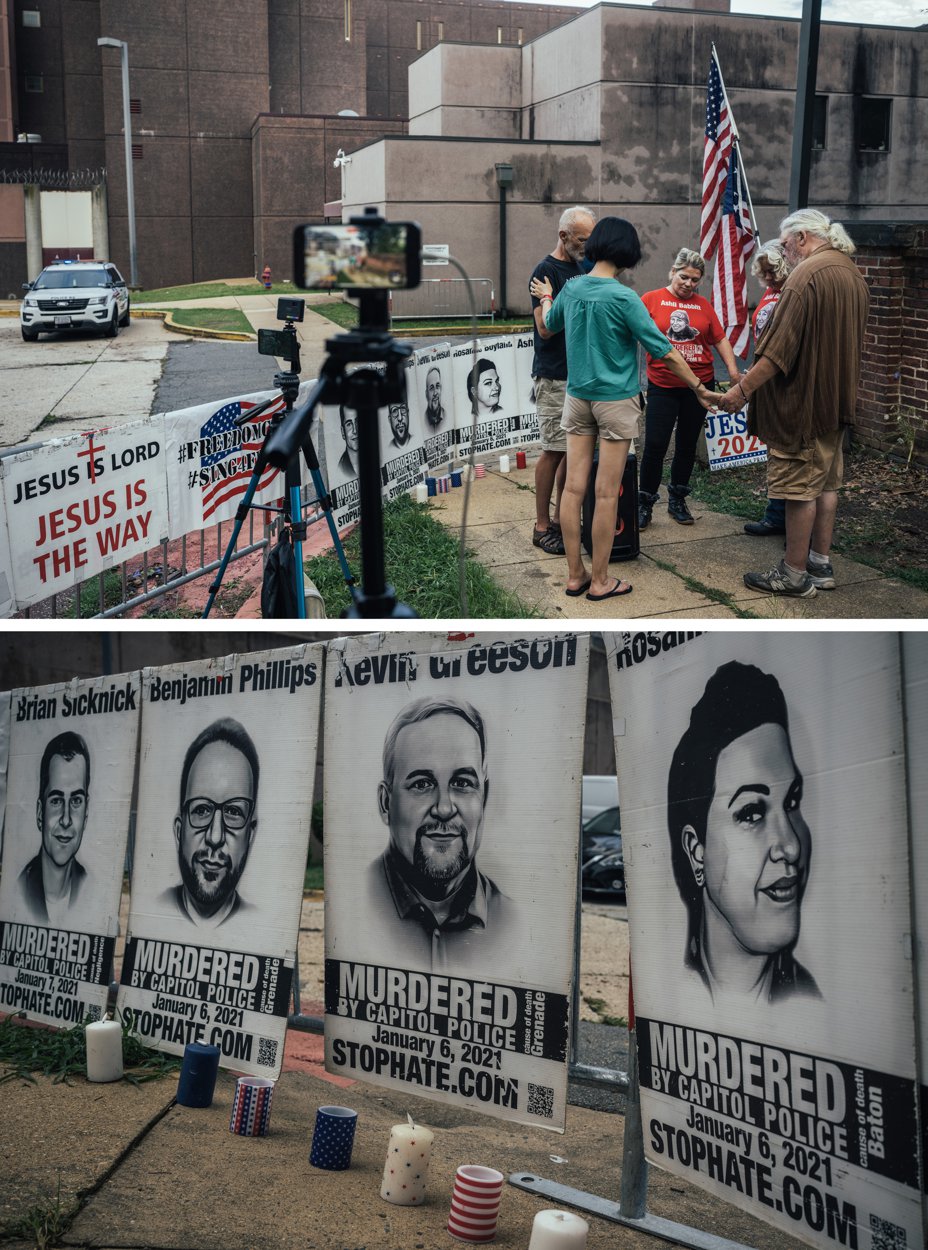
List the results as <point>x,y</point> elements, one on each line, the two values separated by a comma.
<point>215,824</point>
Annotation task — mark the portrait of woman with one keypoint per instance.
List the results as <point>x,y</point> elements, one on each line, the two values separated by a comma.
<point>740,846</point>
<point>483,388</point>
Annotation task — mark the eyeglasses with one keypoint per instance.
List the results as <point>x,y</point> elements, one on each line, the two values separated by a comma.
<point>235,813</point>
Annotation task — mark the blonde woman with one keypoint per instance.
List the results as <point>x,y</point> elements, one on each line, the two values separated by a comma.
<point>690,323</point>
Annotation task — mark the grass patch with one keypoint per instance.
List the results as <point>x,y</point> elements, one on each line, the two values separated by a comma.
<point>882,511</point>
<point>598,1005</point>
<point>62,1053</point>
<point>43,1224</point>
<point>422,566</point>
<point>342,313</point>
<point>313,877</point>
<point>223,319</point>
<point>346,316</point>
<point>90,593</point>
<point>209,290</point>
<point>708,592</point>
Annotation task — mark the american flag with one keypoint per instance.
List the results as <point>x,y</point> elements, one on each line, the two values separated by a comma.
<point>716,153</point>
<point>736,243</point>
<point>226,471</point>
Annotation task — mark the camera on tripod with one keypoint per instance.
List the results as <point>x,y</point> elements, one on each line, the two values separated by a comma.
<point>283,342</point>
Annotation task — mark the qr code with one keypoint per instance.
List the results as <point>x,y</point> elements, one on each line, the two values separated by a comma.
<point>94,1013</point>
<point>886,1235</point>
<point>267,1052</point>
<point>540,1100</point>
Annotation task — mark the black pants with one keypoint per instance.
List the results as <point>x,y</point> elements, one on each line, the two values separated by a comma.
<point>670,406</point>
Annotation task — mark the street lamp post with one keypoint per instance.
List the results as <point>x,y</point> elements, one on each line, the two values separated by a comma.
<point>105,42</point>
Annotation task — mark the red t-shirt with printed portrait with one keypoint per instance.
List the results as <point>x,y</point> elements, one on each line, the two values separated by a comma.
<point>764,311</point>
<point>692,327</point>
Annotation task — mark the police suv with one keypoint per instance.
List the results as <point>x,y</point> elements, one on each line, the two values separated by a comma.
<point>75,295</point>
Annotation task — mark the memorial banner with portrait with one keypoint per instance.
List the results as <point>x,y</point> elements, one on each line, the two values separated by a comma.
<point>402,454</point>
<point>436,395</point>
<point>77,506</point>
<point>765,834</point>
<point>339,432</point>
<point>915,701</point>
<point>224,800</point>
<point>452,801</point>
<point>485,387</point>
<point>525,426</point>
<point>69,790</point>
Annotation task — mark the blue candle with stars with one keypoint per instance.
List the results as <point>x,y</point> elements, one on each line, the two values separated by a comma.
<point>407,1167</point>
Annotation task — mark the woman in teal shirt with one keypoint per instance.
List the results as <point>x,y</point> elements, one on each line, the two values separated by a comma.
<point>603,322</point>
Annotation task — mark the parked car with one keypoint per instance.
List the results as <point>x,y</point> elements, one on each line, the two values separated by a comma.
<point>602,867</point>
<point>75,295</point>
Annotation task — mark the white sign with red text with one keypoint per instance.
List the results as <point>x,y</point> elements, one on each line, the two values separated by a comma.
<point>79,505</point>
<point>729,443</point>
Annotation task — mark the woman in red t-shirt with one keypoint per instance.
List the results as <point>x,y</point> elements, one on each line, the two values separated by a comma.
<point>689,321</point>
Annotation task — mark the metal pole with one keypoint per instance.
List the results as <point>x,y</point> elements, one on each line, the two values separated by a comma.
<point>801,164</point>
<point>130,188</point>
<point>502,252</point>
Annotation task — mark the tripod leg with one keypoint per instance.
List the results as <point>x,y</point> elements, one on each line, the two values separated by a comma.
<point>309,454</point>
<point>298,530</point>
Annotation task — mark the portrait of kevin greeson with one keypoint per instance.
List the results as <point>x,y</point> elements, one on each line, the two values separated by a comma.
<point>740,846</point>
<point>429,905</point>
<point>215,824</point>
<point>52,881</point>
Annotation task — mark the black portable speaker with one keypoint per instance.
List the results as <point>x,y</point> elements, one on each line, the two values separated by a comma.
<point>626,544</point>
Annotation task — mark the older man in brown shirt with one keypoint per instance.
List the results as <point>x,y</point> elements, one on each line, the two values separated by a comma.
<point>803,390</point>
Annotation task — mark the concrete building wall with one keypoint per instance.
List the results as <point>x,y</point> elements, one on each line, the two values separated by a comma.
<point>623,88</point>
<point>456,93</point>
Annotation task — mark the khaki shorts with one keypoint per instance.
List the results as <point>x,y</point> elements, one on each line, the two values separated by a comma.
<point>549,401</point>
<point>612,419</point>
<point>806,474</point>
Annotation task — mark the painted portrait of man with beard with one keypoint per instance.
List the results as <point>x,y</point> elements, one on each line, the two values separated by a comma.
<point>215,824</point>
<point>434,905</point>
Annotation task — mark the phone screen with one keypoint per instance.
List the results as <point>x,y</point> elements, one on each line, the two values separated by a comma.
<point>343,257</point>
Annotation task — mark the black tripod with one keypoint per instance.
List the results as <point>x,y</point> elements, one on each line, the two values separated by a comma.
<point>288,383</point>
<point>365,391</point>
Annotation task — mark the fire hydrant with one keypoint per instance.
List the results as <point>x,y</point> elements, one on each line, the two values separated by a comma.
<point>266,277</point>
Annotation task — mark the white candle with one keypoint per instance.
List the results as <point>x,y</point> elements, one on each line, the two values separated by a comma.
<point>422,493</point>
<point>104,1051</point>
<point>504,464</point>
<point>406,1169</point>
<point>558,1230</point>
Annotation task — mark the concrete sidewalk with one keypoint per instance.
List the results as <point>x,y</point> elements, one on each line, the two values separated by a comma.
<point>148,1173</point>
<point>683,571</point>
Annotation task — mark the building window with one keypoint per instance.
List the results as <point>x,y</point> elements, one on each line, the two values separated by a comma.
<point>32,17</point>
<point>820,123</point>
<point>441,31</point>
<point>874,121</point>
<point>137,153</point>
<point>418,36</point>
<point>34,83</point>
<point>135,106</point>
<point>521,36</point>
<point>347,21</point>
<point>499,34</point>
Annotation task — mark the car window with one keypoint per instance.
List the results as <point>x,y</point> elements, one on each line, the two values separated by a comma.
<point>69,279</point>
<point>605,822</point>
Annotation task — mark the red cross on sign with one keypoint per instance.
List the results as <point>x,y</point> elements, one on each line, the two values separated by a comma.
<point>89,451</point>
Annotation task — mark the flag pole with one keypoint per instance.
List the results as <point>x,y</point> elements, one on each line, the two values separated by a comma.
<point>736,140</point>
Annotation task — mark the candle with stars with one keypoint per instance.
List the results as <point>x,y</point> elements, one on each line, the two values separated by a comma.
<point>406,1170</point>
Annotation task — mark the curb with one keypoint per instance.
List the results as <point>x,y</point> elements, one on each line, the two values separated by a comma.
<point>194,332</point>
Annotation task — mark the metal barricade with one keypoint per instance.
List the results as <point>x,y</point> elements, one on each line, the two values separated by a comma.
<point>443,297</point>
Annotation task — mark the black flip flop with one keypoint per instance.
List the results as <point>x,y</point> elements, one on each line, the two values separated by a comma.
<point>581,590</point>
<point>610,594</point>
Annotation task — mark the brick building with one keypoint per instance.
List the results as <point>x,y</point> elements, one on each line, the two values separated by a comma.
<point>235,115</point>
